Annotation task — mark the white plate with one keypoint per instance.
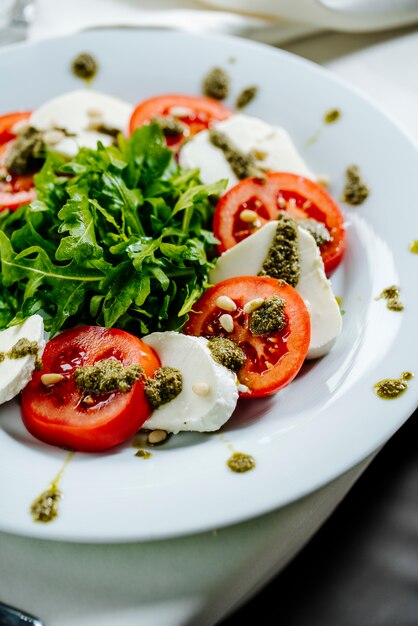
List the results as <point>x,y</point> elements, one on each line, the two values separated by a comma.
<point>329,418</point>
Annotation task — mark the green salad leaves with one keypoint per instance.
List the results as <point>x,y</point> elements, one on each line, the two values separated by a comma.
<point>119,236</point>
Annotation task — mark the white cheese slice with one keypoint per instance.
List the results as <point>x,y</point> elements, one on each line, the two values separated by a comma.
<point>75,112</point>
<point>246,259</point>
<point>16,373</point>
<point>190,411</point>
<point>248,134</point>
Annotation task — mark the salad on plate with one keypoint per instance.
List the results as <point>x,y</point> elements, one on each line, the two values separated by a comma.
<point>158,263</point>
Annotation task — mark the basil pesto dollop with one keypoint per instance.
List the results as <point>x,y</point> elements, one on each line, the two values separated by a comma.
<point>27,154</point>
<point>164,387</point>
<point>355,191</point>
<point>85,66</point>
<point>391,295</point>
<point>246,96</point>
<point>216,84</point>
<point>390,388</point>
<point>282,259</point>
<point>269,318</point>
<point>243,165</point>
<point>107,376</point>
<point>227,353</point>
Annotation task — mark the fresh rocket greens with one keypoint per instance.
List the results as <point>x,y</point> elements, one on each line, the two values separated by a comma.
<point>119,236</point>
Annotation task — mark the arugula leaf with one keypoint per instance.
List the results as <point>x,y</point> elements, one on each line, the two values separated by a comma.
<point>119,236</point>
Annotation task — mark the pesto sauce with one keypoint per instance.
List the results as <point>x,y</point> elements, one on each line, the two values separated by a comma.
<point>243,165</point>
<point>85,66</point>
<point>239,462</point>
<point>107,376</point>
<point>170,126</point>
<point>269,318</point>
<point>282,260</point>
<point>144,454</point>
<point>27,154</point>
<point>355,191</point>
<point>414,247</point>
<point>216,84</point>
<point>390,388</point>
<point>227,353</point>
<point>45,507</point>
<point>391,295</point>
<point>22,348</point>
<point>164,387</point>
<point>331,116</point>
<point>246,96</point>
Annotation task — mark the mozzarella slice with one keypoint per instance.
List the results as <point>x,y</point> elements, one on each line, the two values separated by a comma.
<point>16,373</point>
<point>247,134</point>
<point>75,112</point>
<point>189,410</point>
<point>247,258</point>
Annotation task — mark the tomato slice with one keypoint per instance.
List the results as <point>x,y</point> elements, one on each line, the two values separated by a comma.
<point>299,196</point>
<point>197,115</point>
<point>14,190</point>
<point>58,414</point>
<point>273,361</point>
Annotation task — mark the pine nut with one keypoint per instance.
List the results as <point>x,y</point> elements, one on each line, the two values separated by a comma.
<point>95,113</point>
<point>227,322</point>
<point>181,112</point>
<point>19,127</point>
<point>201,389</point>
<point>157,436</point>
<point>247,215</point>
<point>253,305</point>
<point>226,303</point>
<point>51,379</point>
<point>52,137</point>
<point>324,181</point>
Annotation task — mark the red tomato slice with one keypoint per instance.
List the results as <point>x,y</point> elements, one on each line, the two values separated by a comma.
<point>299,196</point>
<point>14,190</point>
<point>58,415</point>
<point>203,111</point>
<point>273,361</point>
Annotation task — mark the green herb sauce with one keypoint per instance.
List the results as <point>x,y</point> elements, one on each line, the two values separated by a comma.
<point>331,116</point>
<point>21,348</point>
<point>227,353</point>
<point>27,154</point>
<point>216,84</point>
<point>239,462</point>
<point>282,260</point>
<point>85,66</point>
<point>45,507</point>
<point>390,388</point>
<point>246,96</point>
<point>243,165</point>
<point>164,387</point>
<point>355,191</point>
<point>269,318</point>
<point>144,454</point>
<point>107,376</point>
<point>391,295</point>
<point>170,126</point>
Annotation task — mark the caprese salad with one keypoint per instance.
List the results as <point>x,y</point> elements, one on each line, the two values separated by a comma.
<point>157,263</point>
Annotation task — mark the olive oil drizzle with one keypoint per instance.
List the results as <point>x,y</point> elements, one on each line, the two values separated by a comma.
<point>45,507</point>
